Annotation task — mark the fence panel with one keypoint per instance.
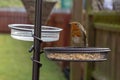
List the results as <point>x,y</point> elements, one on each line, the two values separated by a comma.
<point>11,17</point>
<point>106,37</point>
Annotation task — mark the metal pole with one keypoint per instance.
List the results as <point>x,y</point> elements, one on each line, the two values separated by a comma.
<point>37,43</point>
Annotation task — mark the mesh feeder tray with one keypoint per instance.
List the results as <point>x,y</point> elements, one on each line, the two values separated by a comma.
<point>76,53</point>
<point>25,32</point>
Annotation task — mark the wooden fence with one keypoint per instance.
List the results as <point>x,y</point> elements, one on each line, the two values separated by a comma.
<point>11,17</point>
<point>106,35</point>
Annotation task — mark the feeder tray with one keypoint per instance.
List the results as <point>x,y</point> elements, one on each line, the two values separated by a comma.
<point>76,53</point>
<point>25,32</point>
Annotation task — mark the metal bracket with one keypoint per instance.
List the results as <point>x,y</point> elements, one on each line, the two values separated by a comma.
<point>37,38</point>
<point>40,65</point>
<point>32,47</point>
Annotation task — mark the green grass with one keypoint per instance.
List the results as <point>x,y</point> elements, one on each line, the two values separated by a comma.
<point>11,3</point>
<point>15,63</point>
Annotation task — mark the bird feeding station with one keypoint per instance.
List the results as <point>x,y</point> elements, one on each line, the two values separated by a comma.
<point>38,34</point>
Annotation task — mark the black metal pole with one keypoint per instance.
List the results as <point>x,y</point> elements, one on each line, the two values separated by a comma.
<point>37,43</point>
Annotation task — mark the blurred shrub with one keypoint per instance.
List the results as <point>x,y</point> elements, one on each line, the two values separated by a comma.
<point>106,17</point>
<point>109,27</point>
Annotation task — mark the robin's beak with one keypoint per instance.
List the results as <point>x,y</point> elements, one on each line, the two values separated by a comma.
<point>70,23</point>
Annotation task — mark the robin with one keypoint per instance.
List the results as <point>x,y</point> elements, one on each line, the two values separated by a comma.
<point>78,34</point>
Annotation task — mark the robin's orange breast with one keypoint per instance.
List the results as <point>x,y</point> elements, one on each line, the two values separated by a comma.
<point>75,31</point>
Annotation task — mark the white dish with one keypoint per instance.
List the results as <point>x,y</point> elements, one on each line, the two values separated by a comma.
<point>25,31</point>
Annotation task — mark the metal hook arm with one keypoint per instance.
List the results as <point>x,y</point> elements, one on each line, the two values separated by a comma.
<point>31,49</point>
<point>37,38</point>
<point>40,65</point>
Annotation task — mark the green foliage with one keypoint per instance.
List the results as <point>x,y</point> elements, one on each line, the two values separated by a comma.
<point>106,17</point>
<point>15,62</point>
<point>11,3</point>
<point>110,27</point>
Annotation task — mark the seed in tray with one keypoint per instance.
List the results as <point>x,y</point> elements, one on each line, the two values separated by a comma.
<point>76,56</point>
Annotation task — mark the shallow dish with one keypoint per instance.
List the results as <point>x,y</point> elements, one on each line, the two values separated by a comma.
<point>76,53</point>
<point>25,31</point>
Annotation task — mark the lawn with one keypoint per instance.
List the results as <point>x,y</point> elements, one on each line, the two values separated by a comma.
<point>15,63</point>
<point>11,3</point>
